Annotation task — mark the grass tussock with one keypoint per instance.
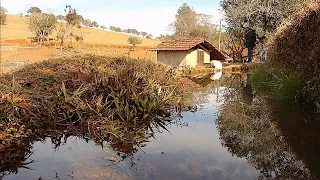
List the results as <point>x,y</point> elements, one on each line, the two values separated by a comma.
<point>97,95</point>
<point>295,50</point>
<point>282,85</point>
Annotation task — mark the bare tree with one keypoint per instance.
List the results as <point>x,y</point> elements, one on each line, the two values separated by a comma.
<point>69,29</point>
<point>41,25</point>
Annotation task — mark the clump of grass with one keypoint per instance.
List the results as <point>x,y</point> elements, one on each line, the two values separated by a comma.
<point>97,95</point>
<point>276,83</point>
<point>295,49</point>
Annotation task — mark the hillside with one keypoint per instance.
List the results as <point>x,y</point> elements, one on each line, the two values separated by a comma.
<point>16,28</point>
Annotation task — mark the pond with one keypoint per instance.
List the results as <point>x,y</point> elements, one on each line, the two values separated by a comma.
<point>219,138</point>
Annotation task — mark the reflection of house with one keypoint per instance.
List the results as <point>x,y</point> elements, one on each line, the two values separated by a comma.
<point>188,53</point>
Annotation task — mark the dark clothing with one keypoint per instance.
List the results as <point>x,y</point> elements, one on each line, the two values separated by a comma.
<point>251,38</point>
<point>250,53</point>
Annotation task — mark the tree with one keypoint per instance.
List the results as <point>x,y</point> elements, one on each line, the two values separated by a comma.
<point>149,36</point>
<point>34,10</point>
<point>190,24</point>
<point>70,28</point>
<point>94,24</point>
<point>115,29</point>
<point>266,15</point>
<point>41,25</point>
<point>3,15</point>
<point>103,27</point>
<point>134,41</point>
<point>144,34</point>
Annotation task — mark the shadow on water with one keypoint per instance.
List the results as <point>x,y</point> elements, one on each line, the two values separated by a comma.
<point>229,133</point>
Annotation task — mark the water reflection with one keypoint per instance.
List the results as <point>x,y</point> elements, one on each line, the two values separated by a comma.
<point>247,131</point>
<point>229,135</point>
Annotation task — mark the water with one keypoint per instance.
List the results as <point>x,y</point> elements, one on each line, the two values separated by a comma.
<point>200,145</point>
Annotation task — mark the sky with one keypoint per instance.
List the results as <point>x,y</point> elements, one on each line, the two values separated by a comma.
<point>152,16</point>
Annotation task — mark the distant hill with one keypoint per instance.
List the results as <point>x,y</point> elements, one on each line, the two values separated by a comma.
<point>16,28</point>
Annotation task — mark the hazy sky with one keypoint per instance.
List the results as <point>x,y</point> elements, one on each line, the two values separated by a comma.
<point>152,16</point>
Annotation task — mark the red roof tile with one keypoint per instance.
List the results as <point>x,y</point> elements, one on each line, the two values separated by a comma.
<point>187,44</point>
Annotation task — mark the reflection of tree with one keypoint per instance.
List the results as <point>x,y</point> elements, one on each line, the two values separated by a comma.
<point>125,143</point>
<point>247,132</point>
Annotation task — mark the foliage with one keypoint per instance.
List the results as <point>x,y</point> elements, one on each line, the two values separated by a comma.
<point>34,10</point>
<point>295,49</point>
<point>99,94</point>
<point>266,15</point>
<point>115,29</point>
<point>279,84</point>
<point>41,25</point>
<point>190,24</point>
<point>134,40</point>
<point>3,15</point>
<point>144,34</point>
<point>69,29</point>
<point>248,132</point>
<point>103,27</point>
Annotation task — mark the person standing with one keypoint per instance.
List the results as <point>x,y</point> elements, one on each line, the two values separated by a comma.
<point>251,39</point>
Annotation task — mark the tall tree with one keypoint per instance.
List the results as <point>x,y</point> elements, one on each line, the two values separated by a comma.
<point>186,20</point>
<point>41,25</point>
<point>190,24</point>
<point>3,15</point>
<point>266,15</point>
<point>34,9</point>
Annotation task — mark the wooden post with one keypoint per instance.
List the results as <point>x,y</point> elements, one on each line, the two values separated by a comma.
<point>220,36</point>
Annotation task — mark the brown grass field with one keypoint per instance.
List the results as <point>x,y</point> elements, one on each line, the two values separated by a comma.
<point>15,33</point>
<point>16,28</point>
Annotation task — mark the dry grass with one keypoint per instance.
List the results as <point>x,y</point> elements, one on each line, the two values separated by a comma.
<point>16,28</point>
<point>97,96</point>
<point>295,48</point>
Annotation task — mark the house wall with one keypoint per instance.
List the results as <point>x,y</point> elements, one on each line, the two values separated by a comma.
<point>193,55</point>
<point>172,58</point>
<point>182,58</point>
<point>207,57</point>
<point>192,58</point>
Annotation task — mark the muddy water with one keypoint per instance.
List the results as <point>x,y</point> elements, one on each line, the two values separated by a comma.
<point>197,146</point>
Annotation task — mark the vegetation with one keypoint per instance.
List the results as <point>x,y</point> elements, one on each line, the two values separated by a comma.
<point>134,41</point>
<point>115,29</point>
<point>248,132</point>
<point>103,27</point>
<point>266,15</point>
<point>86,94</point>
<point>33,10</point>
<point>190,24</point>
<point>3,15</point>
<point>288,70</point>
<point>41,25</point>
<point>69,29</point>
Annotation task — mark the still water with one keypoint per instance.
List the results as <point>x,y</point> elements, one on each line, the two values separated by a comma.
<point>201,144</point>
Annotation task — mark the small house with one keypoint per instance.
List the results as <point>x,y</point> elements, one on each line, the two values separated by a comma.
<point>187,53</point>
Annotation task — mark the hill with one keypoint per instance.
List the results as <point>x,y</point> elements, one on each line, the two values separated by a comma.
<point>16,28</point>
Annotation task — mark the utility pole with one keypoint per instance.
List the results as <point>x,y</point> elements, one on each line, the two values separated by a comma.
<point>220,36</point>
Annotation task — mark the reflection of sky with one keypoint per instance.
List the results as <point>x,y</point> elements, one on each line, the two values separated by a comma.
<point>193,152</point>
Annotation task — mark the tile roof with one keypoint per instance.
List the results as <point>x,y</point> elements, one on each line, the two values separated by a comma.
<point>178,45</point>
<point>187,44</point>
